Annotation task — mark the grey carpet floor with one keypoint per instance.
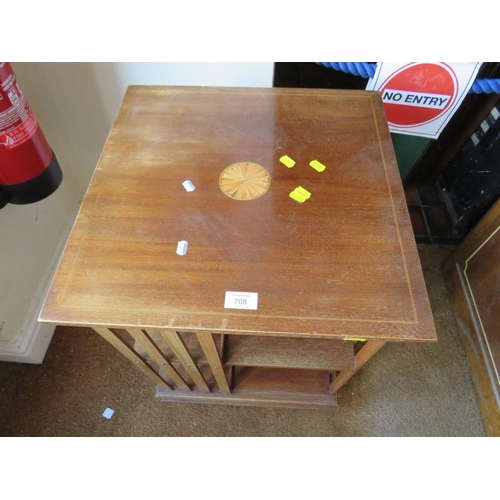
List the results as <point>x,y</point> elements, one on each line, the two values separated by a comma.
<point>405,390</point>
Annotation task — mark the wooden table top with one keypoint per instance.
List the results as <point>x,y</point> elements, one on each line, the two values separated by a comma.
<point>341,264</point>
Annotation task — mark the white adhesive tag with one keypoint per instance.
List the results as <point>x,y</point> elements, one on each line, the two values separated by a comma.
<point>188,186</point>
<point>108,413</point>
<point>241,300</point>
<point>182,247</point>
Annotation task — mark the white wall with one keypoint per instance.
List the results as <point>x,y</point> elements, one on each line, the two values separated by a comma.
<point>75,104</point>
<point>78,102</point>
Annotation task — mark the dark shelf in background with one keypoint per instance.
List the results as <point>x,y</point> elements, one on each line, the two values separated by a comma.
<point>430,219</point>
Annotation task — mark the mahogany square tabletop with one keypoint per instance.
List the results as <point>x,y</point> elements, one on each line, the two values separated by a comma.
<point>337,260</point>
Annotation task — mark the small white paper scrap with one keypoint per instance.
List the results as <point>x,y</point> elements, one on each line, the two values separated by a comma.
<point>188,186</point>
<point>108,413</point>
<point>182,248</point>
<point>241,300</point>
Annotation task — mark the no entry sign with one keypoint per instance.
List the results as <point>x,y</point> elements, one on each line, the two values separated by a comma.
<point>420,98</point>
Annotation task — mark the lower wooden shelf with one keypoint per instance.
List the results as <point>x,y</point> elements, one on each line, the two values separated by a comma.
<point>254,386</point>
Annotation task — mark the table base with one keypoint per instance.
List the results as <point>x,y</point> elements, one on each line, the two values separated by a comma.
<point>238,369</point>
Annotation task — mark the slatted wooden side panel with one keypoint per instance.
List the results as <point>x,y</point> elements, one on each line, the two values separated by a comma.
<point>182,360</point>
<point>207,343</point>
<point>180,350</point>
<point>158,356</point>
<point>121,345</point>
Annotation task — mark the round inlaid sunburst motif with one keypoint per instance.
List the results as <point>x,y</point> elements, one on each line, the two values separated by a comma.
<point>244,181</point>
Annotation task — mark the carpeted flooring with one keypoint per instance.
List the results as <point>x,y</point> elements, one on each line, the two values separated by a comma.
<point>405,390</point>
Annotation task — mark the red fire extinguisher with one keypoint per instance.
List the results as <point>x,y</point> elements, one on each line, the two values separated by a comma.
<point>29,170</point>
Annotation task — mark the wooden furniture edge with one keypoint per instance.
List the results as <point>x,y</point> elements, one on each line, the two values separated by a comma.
<point>453,273</point>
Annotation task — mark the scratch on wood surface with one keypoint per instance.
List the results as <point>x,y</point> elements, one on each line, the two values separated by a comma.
<point>223,138</point>
<point>279,140</point>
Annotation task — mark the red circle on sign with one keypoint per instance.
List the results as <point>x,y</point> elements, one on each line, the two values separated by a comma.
<point>419,93</point>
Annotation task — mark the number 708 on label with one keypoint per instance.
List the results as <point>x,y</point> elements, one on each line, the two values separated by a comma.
<point>241,300</point>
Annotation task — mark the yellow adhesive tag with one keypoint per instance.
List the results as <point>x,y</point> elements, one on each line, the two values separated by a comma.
<point>303,192</point>
<point>300,194</point>
<point>287,161</point>
<point>317,165</point>
<point>297,196</point>
<point>354,339</point>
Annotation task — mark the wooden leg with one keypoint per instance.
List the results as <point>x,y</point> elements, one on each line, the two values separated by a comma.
<point>207,343</point>
<point>152,349</point>
<point>366,352</point>
<point>177,345</point>
<point>129,353</point>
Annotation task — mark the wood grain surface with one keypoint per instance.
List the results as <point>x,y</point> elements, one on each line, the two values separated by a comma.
<point>342,264</point>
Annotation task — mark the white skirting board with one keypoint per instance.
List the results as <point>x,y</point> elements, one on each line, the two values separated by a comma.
<point>33,346</point>
<point>35,338</point>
